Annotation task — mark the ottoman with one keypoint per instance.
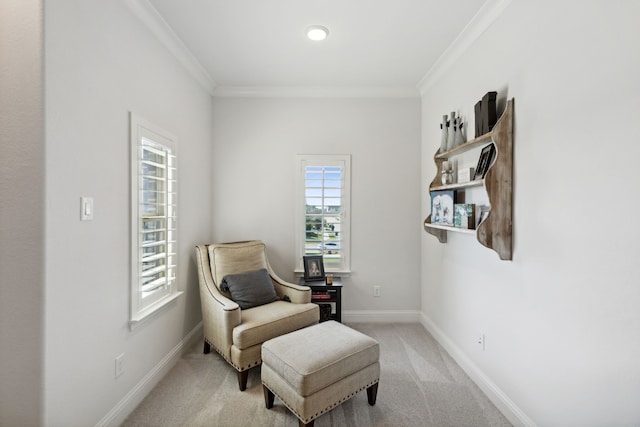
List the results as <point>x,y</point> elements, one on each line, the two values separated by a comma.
<point>313,370</point>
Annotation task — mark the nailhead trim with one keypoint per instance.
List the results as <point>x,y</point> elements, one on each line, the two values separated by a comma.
<point>237,368</point>
<point>325,410</point>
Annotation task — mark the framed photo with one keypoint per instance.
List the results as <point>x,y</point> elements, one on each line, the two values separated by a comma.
<point>313,267</point>
<point>442,207</point>
<point>484,161</point>
<point>464,216</point>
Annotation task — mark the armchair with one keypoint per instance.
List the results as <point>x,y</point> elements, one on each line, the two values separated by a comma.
<point>237,334</point>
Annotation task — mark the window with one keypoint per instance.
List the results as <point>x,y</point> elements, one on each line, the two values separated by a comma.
<point>153,219</point>
<point>323,216</point>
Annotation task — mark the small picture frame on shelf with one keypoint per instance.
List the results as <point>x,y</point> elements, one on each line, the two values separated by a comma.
<point>465,175</point>
<point>442,207</point>
<point>313,267</point>
<point>464,216</point>
<point>484,161</point>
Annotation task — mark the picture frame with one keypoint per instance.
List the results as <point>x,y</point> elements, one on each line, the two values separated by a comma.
<point>484,161</point>
<point>313,267</point>
<point>464,216</point>
<point>442,207</point>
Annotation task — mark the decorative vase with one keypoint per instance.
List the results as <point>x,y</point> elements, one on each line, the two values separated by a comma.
<point>447,173</point>
<point>445,132</point>
<point>459,136</point>
<point>451,137</point>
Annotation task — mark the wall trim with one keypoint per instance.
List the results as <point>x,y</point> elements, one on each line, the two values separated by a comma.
<point>482,20</point>
<point>508,408</point>
<point>165,34</point>
<point>132,399</point>
<point>381,316</point>
<point>316,92</point>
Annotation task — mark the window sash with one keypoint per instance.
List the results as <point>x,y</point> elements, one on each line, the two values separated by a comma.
<point>154,219</point>
<point>323,210</point>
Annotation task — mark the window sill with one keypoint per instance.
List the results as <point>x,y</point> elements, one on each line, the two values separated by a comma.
<point>148,312</point>
<point>341,273</point>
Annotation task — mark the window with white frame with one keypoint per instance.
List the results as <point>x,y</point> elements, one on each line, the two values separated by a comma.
<point>323,210</point>
<point>153,218</point>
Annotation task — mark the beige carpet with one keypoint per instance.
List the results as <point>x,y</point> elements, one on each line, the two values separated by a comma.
<point>420,385</point>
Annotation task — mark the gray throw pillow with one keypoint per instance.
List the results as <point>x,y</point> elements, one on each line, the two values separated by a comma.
<point>250,289</point>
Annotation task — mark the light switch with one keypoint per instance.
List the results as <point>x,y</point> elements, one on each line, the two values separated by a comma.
<point>86,208</point>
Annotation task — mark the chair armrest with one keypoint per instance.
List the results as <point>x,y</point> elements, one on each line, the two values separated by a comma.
<point>296,293</point>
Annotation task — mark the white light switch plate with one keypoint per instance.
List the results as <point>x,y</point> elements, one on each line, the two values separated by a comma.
<point>86,208</point>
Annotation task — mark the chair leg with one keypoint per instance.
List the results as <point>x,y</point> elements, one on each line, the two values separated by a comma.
<point>207,348</point>
<point>268,397</point>
<point>372,393</point>
<point>242,379</point>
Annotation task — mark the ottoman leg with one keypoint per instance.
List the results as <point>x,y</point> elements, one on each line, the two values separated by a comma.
<point>372,393</point>
<point>268,397</point>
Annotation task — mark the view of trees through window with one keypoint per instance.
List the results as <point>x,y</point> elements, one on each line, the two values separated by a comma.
<point>323,214</point>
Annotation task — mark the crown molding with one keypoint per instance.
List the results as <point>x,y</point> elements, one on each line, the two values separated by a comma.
<point>316,92</point>
<point>165,34</point>
<point>481,21</point>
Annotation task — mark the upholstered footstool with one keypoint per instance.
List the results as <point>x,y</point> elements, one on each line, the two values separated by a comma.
<point>313,370</point>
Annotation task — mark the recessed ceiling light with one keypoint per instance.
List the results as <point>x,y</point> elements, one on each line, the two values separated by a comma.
<point>317,32</point>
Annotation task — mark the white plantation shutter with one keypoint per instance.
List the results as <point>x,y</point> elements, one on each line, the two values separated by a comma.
<point>154,219</point>
<point>323,210</point>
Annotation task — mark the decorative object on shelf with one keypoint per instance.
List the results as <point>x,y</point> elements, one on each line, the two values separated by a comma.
<point>451,136</point>
<point>447,172</point>
<point>465,175</point>
<point>485,114</point>
<point>464,216</point>
<point>445,134</point>
<point>442,207</point>
<point>329,279</point>
<point>459,136</point>
<point>478,119</point>
<point>313,267</point>
<point>484,161</point>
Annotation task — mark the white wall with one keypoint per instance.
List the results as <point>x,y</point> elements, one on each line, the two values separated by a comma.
<point>21,212</point>
<point>255,144</point>
<point>561,320</point>
<point>101,63</point>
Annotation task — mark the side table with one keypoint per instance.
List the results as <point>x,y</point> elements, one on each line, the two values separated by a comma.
<point>329,296</point>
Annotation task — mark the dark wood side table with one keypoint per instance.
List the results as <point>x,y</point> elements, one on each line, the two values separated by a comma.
<point>326,296</point>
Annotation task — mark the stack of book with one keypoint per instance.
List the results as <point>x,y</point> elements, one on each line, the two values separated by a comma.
<point>320,295</point>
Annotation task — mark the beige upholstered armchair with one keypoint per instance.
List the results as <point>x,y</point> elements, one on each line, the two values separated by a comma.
<point>228,270</point>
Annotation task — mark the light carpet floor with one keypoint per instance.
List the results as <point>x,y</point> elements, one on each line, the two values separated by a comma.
<point>420,385</point>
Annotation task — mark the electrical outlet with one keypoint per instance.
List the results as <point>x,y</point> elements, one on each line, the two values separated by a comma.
<point>119,365</point>
<point>376,291</point>
<point>481,341</point>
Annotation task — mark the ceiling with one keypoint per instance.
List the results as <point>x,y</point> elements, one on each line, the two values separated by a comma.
<point>263,44</point>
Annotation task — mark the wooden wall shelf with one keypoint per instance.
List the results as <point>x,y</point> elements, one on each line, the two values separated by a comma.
<point>495,232</point>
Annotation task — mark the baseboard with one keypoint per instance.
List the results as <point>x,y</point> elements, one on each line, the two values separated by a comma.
<point>131,400</point>
<point>382,316</point>
<point>508,408</point>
